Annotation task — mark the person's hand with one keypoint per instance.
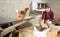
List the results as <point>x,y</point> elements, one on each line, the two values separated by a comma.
<point>20,30</point>
<point>47,20</point>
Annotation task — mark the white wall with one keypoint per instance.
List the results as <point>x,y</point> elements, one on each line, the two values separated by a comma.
<point>8,8</point>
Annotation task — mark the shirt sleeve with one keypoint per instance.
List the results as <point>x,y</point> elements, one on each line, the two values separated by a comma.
<point>43,15</point>
<point>52,15</point>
